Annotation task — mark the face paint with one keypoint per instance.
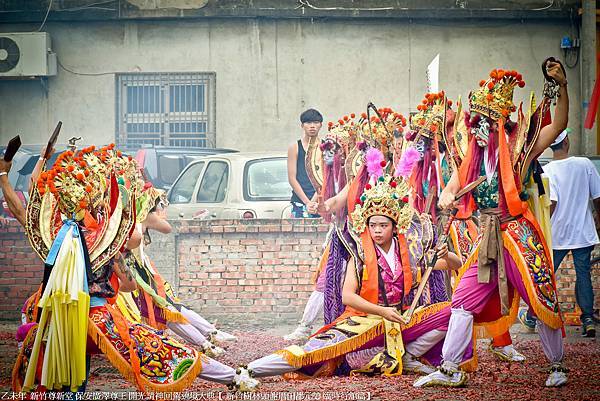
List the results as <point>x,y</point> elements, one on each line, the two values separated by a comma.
<point>420,147</point>
<point>328,147</point>
<point>482,132</point>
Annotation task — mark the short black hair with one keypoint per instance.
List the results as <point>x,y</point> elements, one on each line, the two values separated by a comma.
<point>310,116</point>
<point>558,146</point>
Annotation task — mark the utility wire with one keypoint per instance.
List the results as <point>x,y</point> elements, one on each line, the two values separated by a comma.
<point>46,17</point>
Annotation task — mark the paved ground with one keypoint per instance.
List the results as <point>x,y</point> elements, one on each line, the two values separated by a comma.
<point>494,380</point>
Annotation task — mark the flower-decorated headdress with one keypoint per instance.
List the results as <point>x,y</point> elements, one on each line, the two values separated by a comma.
<point>494,97</point>
<point>93,188</point>
<point>379,132</point>
<point>430,118</point>
<point>387,197</point>
<point>148,199</point>
<point>343,133</point>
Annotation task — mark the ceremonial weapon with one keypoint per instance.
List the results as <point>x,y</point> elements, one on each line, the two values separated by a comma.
<point>52,140</point>
<point>407,316</point>
<point>13,145</point>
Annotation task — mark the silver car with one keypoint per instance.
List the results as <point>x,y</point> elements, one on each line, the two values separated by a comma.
<point>232,186</point>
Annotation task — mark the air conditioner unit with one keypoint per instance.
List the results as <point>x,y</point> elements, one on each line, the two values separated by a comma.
<point>26,55</point>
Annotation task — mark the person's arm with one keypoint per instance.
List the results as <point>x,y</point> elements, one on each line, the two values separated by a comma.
<point>155,222</point>
<point>561,116</point>
<point>447,197</point>
<point>446,260</point>
<point>38,168</point>
<point>292,159</point>
<point>333,204</point>
<point>10,196</point>
<point>594,188</point>
<point>134,241</point>
<point>352,299</point>
<point>126,281</point>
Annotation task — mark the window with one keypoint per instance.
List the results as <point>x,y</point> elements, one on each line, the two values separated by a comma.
<point>169,167</point>
<point>171,109</point>
<point>266,179</point>
<point>214,183</point>
<point>183,189</point>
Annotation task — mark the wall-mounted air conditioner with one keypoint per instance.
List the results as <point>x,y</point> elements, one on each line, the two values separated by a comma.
<point>26,55</point>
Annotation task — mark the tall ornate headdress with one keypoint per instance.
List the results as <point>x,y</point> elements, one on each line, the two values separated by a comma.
<point>148,199</point>
<point>494,97</point>
<point>388,196</point>
<point>93,188</point>
<point>345,132</point>
<point>379,131</point>
<point>430,118</point>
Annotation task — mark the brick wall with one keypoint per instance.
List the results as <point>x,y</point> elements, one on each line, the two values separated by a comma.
<point>21,270</point>
<point>250,272</point>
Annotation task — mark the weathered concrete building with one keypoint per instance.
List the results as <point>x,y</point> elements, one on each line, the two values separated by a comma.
<point>246,69</point>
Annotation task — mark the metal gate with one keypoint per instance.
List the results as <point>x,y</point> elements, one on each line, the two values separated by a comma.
<point>172,109</point>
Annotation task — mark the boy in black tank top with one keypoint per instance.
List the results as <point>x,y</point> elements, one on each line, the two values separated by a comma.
<point>303,192</point>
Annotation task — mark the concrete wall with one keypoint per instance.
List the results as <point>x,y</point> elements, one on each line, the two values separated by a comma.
<point>269,70</point>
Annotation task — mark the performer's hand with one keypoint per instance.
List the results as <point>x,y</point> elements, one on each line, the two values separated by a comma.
<point>312,207</point>
<point>446,200</point>
<point>324,207</point>
<point>442,251</point>
<point>5,166</point>
<point>43,152</point>
<point>555,71</point>
<point>391,314</point>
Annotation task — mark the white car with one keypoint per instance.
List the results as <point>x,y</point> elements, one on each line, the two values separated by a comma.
<point>232,186</point>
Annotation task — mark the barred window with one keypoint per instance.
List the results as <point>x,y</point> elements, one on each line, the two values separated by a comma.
<point>172,109</point>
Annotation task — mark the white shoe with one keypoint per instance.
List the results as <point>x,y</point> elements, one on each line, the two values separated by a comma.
<point>410,364</point>
<point>557,376</point>
<point>243,381</point>
<point>212,350</point>
<point>222,336</point>
<point>447,375</point>
<point>507,353</point>
<point>300,334</point>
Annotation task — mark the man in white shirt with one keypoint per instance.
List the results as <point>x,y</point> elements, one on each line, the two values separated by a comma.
<point>574,183</point>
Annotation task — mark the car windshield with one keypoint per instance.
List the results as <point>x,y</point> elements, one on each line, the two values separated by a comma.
<point>169,167</point>
<point>266,179</point>
<point>184,187</point>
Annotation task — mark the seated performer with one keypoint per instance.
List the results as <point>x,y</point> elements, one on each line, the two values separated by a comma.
<point>369,337</point>
<point>158,305</point>
<point>80,216</point>
<point>512,259</point>
<point>330,166</point>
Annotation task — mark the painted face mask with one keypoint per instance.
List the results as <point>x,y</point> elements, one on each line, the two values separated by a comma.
<point>420,147</point>
<point>328,147</point>
<point>482,132</point>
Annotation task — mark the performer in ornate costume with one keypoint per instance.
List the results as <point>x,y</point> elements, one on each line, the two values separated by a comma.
<point>441,142</point>
<point>369,337</point>
<point>331,165</point>
<point>158,305</point>
<point>511,259</point>
<point>80,216</point>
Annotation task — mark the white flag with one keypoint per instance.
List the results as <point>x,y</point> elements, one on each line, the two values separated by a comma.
<point>433,75</point>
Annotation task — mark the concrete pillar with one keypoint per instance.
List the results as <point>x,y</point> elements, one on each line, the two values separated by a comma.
<point>587,143</point>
